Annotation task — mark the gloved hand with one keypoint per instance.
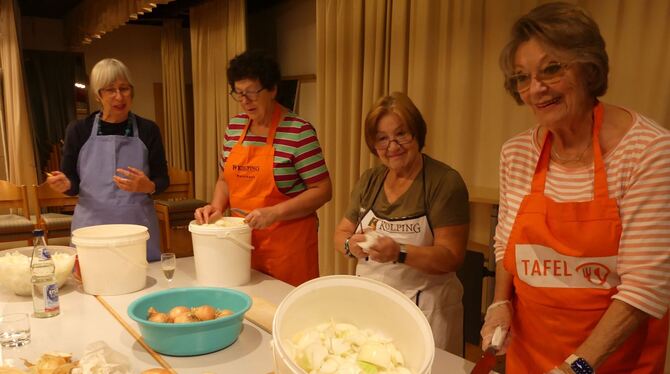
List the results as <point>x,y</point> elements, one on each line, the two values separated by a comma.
<point>497,314</point>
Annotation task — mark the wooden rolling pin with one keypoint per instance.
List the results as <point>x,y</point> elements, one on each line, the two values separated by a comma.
<point>261,313</point>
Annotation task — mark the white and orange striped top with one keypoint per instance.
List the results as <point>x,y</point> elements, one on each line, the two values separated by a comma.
<point>638,176</point>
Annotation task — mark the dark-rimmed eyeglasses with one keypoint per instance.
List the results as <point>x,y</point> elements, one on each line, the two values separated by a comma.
<point>549,74</point>
<point>111,91</point>
<point>250,95</point>
<point>384,142</point>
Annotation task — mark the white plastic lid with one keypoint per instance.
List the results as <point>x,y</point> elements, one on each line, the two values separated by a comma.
<point>237,224</point>
<point>106,235</point>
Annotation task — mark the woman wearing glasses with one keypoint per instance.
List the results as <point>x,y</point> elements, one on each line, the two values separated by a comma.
<point>582,238</point>
<point>113,159</point>
<point>272,170</point>
<point>407,220</point>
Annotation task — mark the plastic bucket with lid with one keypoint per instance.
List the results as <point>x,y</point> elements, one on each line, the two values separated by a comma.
<point>222,252</point>
<point>112,258</point>
<point>365,303</point>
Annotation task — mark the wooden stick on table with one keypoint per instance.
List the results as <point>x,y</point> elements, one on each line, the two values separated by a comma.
<point>135,335</point>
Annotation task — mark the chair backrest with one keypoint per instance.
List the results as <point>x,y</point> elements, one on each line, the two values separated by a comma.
<point>47,197</point>
<point>13,196</point>
<point>181,186</point>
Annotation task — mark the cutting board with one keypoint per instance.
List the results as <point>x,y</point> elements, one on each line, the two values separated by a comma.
<point>261,313</point>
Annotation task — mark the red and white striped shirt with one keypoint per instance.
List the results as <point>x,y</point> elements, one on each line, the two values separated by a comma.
<point>638,177</point>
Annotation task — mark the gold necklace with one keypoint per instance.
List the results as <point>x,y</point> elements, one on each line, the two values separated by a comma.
<point>556,157</point>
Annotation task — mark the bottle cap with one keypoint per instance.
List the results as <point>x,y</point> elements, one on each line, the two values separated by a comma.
<point>38,232</point>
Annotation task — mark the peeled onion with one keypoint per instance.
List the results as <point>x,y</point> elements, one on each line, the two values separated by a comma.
<point>204,312</point>
<point>159,317</point>
<point>177,311</point>
<point>185,318</point>
<point>151,311</point>
<point>223,313</point>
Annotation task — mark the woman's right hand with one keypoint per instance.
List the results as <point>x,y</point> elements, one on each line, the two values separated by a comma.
<point>497,314</point>
<point>206,214</point>
<point>58,182</point>
<point>354,248</point>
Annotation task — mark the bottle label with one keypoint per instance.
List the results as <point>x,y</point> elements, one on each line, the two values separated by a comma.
<point>44,253</point>
<point>51,298</point>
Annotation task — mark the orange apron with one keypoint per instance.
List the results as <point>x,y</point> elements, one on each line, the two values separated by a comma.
<point>563,258</point>
<point>286,250</point>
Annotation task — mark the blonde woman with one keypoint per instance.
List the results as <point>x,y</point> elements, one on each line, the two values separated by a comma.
<point>113,159</point>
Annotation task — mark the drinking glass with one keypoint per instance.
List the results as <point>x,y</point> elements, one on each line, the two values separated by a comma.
<point>168,264</point>
<point>14,330</point>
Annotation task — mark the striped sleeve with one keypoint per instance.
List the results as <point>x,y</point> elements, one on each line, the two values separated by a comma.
<point>231,136</point>
<point>644,252</point>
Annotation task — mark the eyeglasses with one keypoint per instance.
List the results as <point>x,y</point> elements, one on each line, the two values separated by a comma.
<point>384,142</point>
<point>549,74</point>
<point>250,95</point>
<point>111,91</point>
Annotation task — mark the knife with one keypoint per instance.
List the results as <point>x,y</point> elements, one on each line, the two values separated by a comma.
<point>488,360</point>
<point>239,211</point>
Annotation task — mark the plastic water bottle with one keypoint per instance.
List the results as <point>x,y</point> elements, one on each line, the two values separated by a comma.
<point>43,279</point>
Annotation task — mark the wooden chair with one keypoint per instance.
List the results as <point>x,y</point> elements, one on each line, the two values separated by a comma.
<point>175,207</point>
<point>53,221</point>
<point>14,227</point>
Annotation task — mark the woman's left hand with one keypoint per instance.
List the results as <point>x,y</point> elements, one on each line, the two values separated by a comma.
<point>384,250</point>
<point>262,217</point>
<point>135,180</point>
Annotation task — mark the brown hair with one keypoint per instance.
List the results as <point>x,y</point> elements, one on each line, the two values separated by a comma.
<point>399,104</point>
<point>568,30</point>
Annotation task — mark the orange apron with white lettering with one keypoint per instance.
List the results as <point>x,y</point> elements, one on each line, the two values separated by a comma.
<point>563,258</point>
<point>286,250</point>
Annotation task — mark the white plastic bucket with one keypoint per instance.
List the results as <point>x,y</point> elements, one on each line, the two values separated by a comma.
<point>222,253</point>
<point>112,258</point>
<point>365,303</point>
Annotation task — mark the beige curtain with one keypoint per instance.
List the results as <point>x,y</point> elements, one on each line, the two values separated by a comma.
<point>444,54</point>
<point>177,141</point>
<point>217,35</point>
<point>91,19</point>
<point>22,169</point>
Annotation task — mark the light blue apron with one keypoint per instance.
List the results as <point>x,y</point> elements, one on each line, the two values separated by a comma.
<point>100,200</point>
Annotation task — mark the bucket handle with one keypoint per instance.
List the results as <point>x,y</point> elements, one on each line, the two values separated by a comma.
<point>143,265</point>
<point>242,244</point>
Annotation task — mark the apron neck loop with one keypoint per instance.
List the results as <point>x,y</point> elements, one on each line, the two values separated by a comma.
<point>600,176</point>
<point>274,123</point>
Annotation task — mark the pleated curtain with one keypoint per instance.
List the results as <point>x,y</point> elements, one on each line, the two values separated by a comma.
<point>17,134</point>
<point>176,136</point>
<point>217,35</point>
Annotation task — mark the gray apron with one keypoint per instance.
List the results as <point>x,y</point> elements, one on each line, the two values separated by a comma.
<point>437,295</point>
<point>100,200</point>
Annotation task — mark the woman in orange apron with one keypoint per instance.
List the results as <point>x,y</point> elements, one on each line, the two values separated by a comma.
<point>273,172</point>
<point>581,284</point>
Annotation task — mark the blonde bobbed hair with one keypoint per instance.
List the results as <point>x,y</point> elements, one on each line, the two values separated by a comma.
<point>106,71</point>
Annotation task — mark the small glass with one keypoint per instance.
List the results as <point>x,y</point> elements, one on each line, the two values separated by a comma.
<point>168,264</point>
<point>14,330</point>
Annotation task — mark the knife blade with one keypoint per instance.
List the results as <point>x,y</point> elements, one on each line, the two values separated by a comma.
<point>239,211</point>
<point>488,360</point>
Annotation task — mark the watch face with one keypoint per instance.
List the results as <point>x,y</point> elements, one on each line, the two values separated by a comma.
<point>580,366</point>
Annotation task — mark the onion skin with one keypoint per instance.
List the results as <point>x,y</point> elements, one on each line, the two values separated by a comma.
<point>178,310</point>
<point>160,317</point>
<point>185,318</point>
<point>204,312</point>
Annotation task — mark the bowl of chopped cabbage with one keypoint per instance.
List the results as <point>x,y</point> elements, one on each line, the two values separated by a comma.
<point>15,267</point>
<point>350,324</point>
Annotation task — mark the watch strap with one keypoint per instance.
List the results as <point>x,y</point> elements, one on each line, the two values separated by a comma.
<point>347,251</point>
<point>579,365</point>
<point>402,254</point>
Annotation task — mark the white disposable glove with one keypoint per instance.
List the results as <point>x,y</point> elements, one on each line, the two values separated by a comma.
<point>497,314</point>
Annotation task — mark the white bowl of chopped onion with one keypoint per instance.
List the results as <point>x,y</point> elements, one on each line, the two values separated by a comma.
<point>347,324</point>
<point>15,267</point>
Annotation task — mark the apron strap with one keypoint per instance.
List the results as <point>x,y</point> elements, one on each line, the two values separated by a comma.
<point>274,123</point>
<point>600,175</point>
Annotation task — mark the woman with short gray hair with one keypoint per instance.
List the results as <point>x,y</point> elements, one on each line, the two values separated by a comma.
<point>113,159</point>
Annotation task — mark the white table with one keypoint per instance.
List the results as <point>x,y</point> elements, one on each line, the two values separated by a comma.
<point>84,320</point>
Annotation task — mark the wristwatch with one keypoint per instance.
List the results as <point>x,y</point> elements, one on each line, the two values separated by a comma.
<point>347,251</point>
<point>579,365</point>
<point>402,254</point>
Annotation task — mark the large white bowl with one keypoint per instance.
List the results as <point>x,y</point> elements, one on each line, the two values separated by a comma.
<point>363,302</point>
<point>15,275</point>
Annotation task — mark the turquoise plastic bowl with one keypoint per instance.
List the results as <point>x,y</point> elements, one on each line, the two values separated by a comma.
<point>191,339</point>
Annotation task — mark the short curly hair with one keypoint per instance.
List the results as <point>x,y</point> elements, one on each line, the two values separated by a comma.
<point>568,30</point>
<point>254,64</point>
